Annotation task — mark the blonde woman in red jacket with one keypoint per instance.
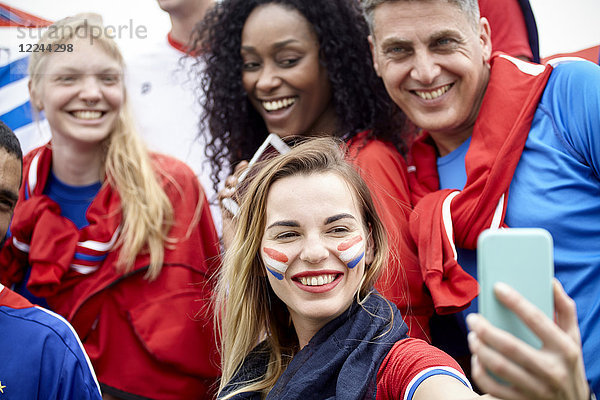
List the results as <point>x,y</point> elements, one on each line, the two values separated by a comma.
<point>117,240</point>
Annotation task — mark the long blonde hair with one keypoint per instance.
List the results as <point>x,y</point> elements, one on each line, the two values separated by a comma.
<point>249,309</point>
<point>147,211</point>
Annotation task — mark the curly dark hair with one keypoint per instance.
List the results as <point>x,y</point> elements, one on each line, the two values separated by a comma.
<point>358,95</point>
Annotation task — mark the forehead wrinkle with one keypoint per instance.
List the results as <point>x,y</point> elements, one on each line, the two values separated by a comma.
<point>395,41</point>
<point>444,33</point>
<point>433,37</point>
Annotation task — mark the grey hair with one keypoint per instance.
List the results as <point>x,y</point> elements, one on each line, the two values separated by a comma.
<point>469,7</point>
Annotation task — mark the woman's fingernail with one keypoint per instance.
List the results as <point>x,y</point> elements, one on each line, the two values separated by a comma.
<point>472,338</point>
<point>502,288</point>
<point>472,320</point>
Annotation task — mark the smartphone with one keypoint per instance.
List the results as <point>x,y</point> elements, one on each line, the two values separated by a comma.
<point>272,142</point>
<point>522,258</point>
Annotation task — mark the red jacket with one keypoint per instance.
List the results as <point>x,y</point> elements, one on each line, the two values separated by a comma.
<point>150,338</point>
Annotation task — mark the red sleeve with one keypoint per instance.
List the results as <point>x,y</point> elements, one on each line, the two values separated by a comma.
<point>201,246</point>
<point>384,171</point>
<point>211,243</point>
<point>409,363</point>
<point>509,31</point>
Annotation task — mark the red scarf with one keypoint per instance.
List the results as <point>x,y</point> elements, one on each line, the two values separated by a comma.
<point>51,243</point>
<point>443,219</point>
<point>59,252</point>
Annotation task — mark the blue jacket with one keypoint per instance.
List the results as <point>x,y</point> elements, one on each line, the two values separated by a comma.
<point>41,357</point>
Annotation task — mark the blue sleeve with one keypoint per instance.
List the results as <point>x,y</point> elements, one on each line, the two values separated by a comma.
<point>42,357</point>
<point>77,380</point>
<point>573,97</point>
<point>66,372</point>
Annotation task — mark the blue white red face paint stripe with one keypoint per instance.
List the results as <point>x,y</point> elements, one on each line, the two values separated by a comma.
<point>352,251</point>
<point>276,262</point>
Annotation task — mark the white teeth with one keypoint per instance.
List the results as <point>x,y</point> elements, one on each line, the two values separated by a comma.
<point>317,280</point>
<point>278,104</point>
<point>87,114</point>
<point>433,94</point>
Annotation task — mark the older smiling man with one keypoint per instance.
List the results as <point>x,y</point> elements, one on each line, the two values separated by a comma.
<point>503,143</point>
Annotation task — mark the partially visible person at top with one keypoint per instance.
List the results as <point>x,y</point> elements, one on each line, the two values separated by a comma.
<point>504,143</point>
<point>41,357</point>
<point>117,240</point>
<point>299,278</point>
<point>513,27</point>
<point>302,68</point>
<point>163,96</point>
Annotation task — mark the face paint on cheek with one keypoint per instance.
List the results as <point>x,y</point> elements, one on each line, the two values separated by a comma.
<point>276,262</point>
<point>352,251</point>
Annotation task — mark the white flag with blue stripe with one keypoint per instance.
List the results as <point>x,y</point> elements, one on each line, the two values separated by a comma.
<point>15,107</point>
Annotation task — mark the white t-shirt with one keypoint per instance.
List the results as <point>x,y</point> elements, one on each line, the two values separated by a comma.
<point>167,111</point>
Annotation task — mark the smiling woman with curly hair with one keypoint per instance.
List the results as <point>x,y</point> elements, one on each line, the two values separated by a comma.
<point>303,68</point>
<point>357,95</point>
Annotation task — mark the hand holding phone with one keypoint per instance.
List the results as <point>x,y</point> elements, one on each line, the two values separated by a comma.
<point>506,367</point>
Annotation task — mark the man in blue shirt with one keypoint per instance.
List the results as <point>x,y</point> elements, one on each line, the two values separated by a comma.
<point>504,143</point>
<point>41,356</point>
